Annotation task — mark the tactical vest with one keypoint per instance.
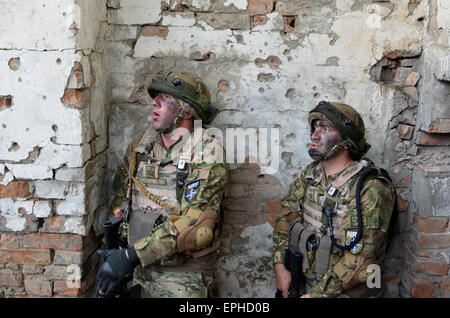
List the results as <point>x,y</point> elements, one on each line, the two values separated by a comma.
<point>340,195</point>
<point>163,182</point>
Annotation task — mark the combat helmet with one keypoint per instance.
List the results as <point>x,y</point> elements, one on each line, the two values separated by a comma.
<point>190,91</point>
<point>348,122</point>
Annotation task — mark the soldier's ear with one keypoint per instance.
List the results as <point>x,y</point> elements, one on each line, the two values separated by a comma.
<point>188,116</point>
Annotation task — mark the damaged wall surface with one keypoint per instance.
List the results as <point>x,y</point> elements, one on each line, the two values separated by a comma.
<point>53,140</point>
<point>74,96</point>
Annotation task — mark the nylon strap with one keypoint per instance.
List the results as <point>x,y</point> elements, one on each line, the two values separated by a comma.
<point>295,232</point>
<point>323,255</point>
<point>304,237</point>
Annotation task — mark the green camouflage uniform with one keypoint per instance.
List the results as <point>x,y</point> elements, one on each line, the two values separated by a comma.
<point>203,189</point>
<point>377,204</point>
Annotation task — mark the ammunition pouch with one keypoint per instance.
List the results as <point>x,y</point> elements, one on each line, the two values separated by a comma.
<point>141,224</point>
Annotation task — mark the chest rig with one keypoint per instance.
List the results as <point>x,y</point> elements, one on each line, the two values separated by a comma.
<point>156,185</point>
<point>324,209</point>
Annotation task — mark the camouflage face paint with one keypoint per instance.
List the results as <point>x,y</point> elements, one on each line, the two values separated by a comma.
<point>165,110</point>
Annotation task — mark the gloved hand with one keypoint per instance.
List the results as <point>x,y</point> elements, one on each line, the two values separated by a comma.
<point>115,268</point>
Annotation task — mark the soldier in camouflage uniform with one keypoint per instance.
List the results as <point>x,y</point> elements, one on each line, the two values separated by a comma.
<point>171,182</point>
<point>320,217</point>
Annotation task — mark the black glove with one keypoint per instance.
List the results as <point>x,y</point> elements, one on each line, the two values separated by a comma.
<point>116,267</point>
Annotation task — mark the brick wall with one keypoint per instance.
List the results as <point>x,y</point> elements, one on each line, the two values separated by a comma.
<point>73,95</point>
<point>53,146</point>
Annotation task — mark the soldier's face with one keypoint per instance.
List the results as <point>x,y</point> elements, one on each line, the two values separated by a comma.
<point>165,110</point>
<point>324,137</point>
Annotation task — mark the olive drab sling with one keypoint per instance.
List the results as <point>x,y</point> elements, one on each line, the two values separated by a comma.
<point>323,211</point>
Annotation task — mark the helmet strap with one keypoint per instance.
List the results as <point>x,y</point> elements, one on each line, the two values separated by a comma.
<point>317,155</point>
<point>176,123</point>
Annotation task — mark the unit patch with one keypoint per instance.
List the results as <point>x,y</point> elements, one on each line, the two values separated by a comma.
<point>192,191</point>
<point>350,237</point>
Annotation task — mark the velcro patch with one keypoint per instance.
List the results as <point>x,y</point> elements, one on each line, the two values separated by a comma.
<point>350,236</point>
<point>192,191</point>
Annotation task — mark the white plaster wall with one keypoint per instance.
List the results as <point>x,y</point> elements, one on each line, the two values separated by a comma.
<point>38,134</point>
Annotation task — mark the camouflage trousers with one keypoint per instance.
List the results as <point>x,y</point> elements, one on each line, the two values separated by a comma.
<point>155,284</point>
<point>360,291</point>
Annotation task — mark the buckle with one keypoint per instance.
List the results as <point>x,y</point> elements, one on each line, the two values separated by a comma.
<point>181,164</point>
<point>332,191</point>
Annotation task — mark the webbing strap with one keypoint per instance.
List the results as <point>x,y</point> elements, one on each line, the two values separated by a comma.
<point>294,233</point>
<point>323,255</point>
<point>303,239</point>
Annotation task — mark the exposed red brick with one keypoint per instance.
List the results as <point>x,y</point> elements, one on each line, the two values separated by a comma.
<point>233,217</point>
<point>14,63</point>
<point>247,205</point>
<point>79,78</point>
<point>54,224</point>
<point>427,139</point>
<point>405,131</point>
<point>402,54</point>
<point>65,257</point>
<point>74,98</point>
<point>432,21</point>
<point>92,146</point>
<point>433,268</point>
<point>434,240</point>
<point>150,30</point>
<point>248,165</point>
<point>11,278</point>
<point>433,225</point>
<point>25,256</point>
<point>424,290</point>
<point>405,182</point>
<point>61,287</point>
<point>274,62</point>
<point>238,191</point>
<point>445,284</point>
<point>266,192</point>
<point>10,240</point>
<point>273,207</point>
<point>251,219</point>
<point>256,7</point>
<point>54,241</point>
<point>286,7</point>
<point>16,189</point>
<point>412,79</point>
<point>223,85</point>
<point>259,20</point>
<point>37,287</point>
<point>6,101</point>
<point>290,23</point>
<point>268,179</point>
<point>243,176</point>
<point>32,269</point>
<point>439,126</point>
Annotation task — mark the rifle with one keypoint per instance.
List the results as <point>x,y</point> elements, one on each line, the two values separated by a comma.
<point>293,263</point>
<point>112,241</point>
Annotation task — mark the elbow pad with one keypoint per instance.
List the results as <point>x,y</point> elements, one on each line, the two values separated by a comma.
<point>352,270</point>
<point>198,235</point>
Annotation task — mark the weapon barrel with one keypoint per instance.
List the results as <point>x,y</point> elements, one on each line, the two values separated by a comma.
<point>296,259</point>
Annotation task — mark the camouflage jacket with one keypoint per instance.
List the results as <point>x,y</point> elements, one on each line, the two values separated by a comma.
<point>377,204</point>
<point>210,188</point>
